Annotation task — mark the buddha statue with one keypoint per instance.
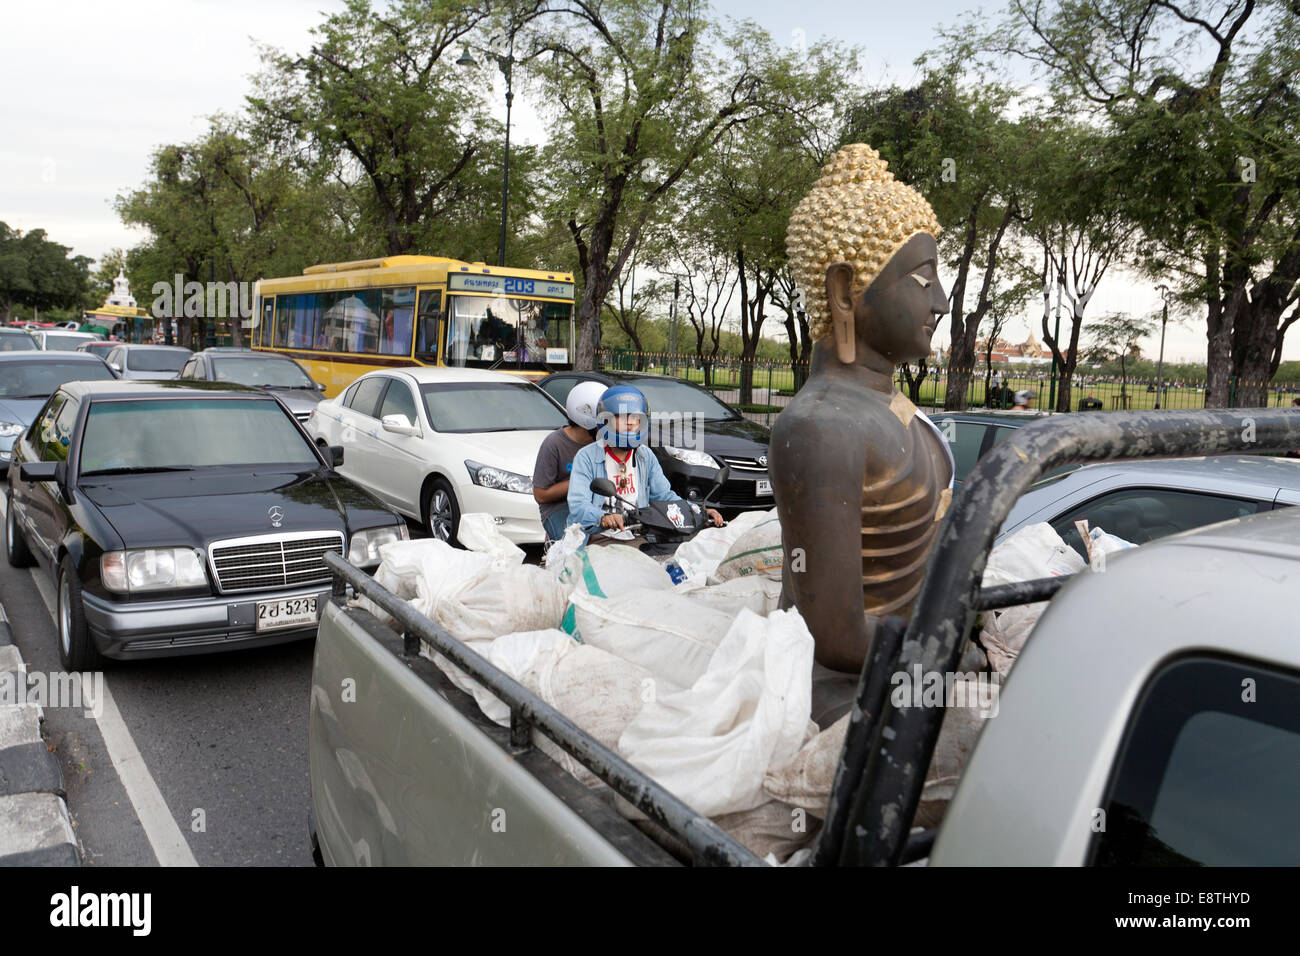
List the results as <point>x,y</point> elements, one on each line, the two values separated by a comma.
<point>861,478</point>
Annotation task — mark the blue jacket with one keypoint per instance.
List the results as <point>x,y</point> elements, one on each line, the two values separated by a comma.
<point>585,505</point>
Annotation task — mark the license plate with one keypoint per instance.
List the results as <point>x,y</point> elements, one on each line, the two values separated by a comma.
<point>291,612</point>
<point>764,488</point>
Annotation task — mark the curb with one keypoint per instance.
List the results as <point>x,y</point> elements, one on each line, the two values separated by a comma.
<point>35,829</point>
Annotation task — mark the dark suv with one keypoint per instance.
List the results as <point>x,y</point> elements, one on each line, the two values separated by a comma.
<point>724,437</point>
<point>179,519</point>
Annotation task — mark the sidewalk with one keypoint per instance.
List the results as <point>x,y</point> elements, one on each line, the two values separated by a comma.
<point>35,829</point>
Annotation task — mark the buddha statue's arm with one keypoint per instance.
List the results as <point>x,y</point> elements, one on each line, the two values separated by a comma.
<point>819,501</point>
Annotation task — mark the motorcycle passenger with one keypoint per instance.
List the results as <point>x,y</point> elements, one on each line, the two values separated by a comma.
<point>620,454</point>
<point>555,457</point>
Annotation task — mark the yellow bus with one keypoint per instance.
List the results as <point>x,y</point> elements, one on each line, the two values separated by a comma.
<point>340,320</point>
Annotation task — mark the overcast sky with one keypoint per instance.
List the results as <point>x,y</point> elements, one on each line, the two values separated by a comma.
<point>93,88</point>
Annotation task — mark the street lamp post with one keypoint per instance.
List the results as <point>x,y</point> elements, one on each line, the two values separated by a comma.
<point>505,64</point>
<point>1160,367</point>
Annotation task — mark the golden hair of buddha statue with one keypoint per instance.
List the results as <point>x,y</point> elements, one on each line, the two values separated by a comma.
<point>858,213</point>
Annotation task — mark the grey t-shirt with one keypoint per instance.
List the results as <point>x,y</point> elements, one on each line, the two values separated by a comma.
<point>554,463</point>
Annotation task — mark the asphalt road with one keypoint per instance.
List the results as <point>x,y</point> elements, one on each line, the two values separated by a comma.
<point>201,760</point>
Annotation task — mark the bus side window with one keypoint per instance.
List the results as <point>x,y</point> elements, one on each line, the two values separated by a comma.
<point>426,334</point>
<point>264,329</point>
<point>282,322</point>
<point>396,319</point>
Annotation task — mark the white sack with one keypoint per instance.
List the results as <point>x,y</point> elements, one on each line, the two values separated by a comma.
<point>424,573</point>
<point>519,598</point>
<point>774,828</point>
<point>612,570</point>
<point>666,633</point>
<point>806,780</point>
<point>711,745</point>
<point>559,553</point>
<point>703,552</point>
<point>756,552</point>
<point>1035,551</point>
<point>478,532</point>
<point>758,594</point>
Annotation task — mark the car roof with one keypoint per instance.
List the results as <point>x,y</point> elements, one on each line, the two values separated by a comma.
<point>150,345</point>
<point>43,356</point>
<point>430,374</point>
<point>1246,469</point>
<point>1003,416</point>
<point>128,388</point>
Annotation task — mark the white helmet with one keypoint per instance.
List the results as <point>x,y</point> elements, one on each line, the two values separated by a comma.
<point>581,404</point>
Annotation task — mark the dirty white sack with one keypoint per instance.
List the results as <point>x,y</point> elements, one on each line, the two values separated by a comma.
<point>703,553</point>
<point>1035,551</point>
<point>712,744</point>
<point>756,552</point>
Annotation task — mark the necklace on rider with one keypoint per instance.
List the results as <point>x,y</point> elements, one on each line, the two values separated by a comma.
<point>622,464</point>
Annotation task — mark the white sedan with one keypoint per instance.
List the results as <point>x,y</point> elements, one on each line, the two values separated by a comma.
<point>436,443</point>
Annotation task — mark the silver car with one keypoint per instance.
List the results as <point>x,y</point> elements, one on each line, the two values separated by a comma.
<point>1141,501</point>
<point>275,373</point>
<point>63,340</point>
<point>154,363</point>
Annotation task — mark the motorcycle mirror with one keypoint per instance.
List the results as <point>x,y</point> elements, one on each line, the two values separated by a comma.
<point>723,474</point>
<point>604,487</point>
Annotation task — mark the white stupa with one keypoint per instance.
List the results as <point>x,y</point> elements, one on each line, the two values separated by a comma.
<point>121,293</point>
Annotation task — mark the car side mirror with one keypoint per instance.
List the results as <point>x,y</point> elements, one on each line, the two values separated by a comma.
<point>320,386</point>
<point>398,425</point>
<point>41,471</point>
<point>336,455</point>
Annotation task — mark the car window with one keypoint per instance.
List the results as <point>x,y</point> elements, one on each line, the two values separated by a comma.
<point>154,360</point>
<point>15,341</point>
<point>1209,770</point>
<point>261,370</point>
<point>965,439</point>
<point>46,437</point>
<point>489,407</point>
<point>366,396</point>
<point>1139,515</point>
<point>37,379</point>
<point>142,434</point>
<point>399,401</point>
<point>191,369</point>
<point>559,388</point>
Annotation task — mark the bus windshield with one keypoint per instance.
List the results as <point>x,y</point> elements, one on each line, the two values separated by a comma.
<point>506,331</point>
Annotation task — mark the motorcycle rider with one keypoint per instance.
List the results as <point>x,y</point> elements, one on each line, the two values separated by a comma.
<point>555,457</point>
<point>620,454</point>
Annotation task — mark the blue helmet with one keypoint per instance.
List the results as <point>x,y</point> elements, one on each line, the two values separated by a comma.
<point>622,400</point>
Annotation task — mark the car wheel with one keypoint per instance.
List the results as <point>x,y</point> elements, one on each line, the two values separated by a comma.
<point>77,648</point>
<point>441,511</point>
<point>16,550</point>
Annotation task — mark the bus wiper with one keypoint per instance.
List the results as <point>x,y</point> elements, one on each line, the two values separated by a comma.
<point>135,470</point>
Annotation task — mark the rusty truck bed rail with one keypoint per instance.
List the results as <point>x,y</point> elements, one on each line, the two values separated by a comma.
<point>888,750</point>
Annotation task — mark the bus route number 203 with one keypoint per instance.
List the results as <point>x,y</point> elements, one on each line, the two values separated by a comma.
<point>519,286</point>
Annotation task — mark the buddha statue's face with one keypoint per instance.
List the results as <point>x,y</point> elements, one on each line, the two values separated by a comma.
<point>897,314</point>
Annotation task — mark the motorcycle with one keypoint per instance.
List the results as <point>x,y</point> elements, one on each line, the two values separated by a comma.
<point>664,524</point>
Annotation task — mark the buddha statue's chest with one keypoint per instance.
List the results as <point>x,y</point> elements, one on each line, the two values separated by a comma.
<point>904,494</point>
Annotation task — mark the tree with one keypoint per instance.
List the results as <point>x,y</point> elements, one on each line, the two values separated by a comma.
<point>1206,116</point>
<point>1114,339</point>
<point>637,102</point>
<point>708,287</point>
<point>38,274</point>
<point>380,100</point>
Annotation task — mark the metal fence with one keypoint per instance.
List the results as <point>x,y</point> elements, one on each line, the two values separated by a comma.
<point>774,383</point>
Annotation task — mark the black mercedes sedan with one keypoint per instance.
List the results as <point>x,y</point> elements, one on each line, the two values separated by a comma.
<point>182,518</point>
<point>713,434</point>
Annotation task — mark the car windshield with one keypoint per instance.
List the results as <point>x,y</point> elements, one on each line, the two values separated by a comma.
<point>489,407</point>
<point>666,395</point>
<point>20,379</point>
<point>63,343</point>
<point>182,433</point>
<point>264,370</point>
<point>12,340</point>
<point>156,360</point>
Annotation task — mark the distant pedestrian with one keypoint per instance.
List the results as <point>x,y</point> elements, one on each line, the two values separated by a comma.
<point>1024,401</point>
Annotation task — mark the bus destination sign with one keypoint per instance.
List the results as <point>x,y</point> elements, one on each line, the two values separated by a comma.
<point>509,285</point>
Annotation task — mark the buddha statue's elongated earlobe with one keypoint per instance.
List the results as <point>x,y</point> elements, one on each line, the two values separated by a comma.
<point>839,302</point>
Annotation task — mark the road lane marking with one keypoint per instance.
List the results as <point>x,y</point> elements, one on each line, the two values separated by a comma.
<point>160,827</point>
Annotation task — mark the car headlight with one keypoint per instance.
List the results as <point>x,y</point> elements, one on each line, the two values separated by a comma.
<point>690,457</point>
<point>10,429</point>
<point>364,549</point>
<point>152,569</point>
<point>490,477</point>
